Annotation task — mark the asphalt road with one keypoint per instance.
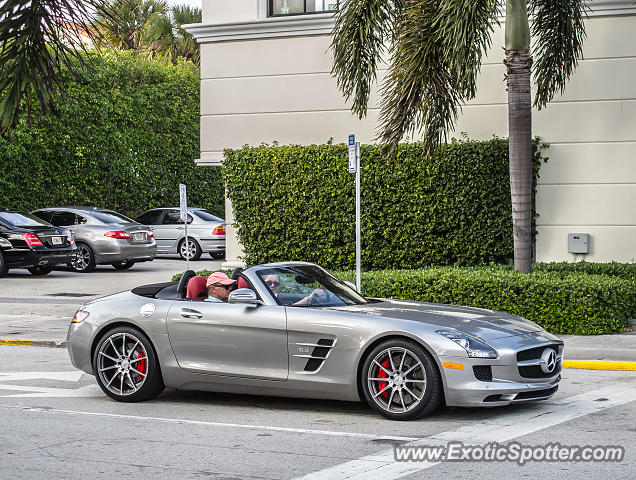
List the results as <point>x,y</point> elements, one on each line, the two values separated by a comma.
<point>56,423</point>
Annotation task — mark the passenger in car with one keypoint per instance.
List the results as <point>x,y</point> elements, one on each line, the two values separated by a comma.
<point>219,287</point>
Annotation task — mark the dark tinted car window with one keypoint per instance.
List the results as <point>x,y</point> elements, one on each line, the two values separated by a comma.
<point>81,220</point>
<point>110,217</point>
<point>173,217</point>
<point>46,215</point>
<point>149,218</point>
<point>207,216</point>
<point>21,219</point>
<point>63,219</point>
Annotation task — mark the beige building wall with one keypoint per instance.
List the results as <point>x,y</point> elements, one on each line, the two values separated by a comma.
<point>266,80</point>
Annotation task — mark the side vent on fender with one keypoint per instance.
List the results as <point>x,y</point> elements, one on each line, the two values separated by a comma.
<point>318,355</point>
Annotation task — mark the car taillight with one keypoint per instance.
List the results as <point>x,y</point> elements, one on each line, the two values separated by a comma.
<point>151,233</point>
<point>31,240</point>
<point>218,230</point>
<point>80,316</point>
<point>124,235</point>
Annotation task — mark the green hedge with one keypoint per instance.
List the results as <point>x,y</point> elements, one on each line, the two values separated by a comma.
<point>126,135</point>
<point>296,202</point>
<point>555,295</point>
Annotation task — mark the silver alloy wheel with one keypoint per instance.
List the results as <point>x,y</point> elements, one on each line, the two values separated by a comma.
<point>82,258</point>
<point>122,363</point>
<point>396,380</point>
<point>189,252</point>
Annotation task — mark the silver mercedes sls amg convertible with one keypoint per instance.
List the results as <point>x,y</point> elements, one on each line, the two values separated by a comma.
<point>293,329</point>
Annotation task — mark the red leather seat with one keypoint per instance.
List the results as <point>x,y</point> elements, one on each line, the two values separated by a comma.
<point>197,289</point>
<point>242,283</point>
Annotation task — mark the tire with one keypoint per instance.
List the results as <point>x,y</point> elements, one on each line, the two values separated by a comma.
<point>130,375</point>
<point>40,270</point>
<point>3,266</point>
<point>400,396</point>
<point>125,265</point>
<point>85,260</point>
<point>195,249</point>
<point>217,255</point>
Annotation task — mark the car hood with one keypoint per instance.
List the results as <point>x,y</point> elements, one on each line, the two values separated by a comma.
<point>477,322</point>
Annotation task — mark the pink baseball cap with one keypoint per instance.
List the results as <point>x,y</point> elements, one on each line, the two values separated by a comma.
<point>219,278</point>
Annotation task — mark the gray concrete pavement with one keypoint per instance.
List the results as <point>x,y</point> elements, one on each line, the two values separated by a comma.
<point>56,423</point>
<point>40,308</point>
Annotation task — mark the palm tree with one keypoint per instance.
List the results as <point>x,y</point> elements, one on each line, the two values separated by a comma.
<point>166,35</point>
<point>38,38</point>
<point>435,48</point>
<point>125,23</point>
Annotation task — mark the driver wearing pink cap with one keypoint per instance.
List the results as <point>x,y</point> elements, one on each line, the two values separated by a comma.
<point>219,286</point>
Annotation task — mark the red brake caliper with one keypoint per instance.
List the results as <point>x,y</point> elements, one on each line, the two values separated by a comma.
<point>141,364</point>
<point>382,374</point>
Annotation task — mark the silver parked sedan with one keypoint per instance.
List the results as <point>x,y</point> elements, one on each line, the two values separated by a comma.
<point>292,329</point>
<point>103,237</point>
<point>206,232</point>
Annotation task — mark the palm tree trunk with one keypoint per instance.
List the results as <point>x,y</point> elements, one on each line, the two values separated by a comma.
<point>518,63</point>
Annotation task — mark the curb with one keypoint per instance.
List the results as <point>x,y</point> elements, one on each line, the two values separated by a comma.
<point>599,365</point>
<point>19,342</point>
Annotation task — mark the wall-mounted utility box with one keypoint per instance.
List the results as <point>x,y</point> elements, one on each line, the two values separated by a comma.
<point>579,242</point>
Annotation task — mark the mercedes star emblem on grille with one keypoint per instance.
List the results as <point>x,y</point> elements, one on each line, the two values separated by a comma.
<point>548,358</point>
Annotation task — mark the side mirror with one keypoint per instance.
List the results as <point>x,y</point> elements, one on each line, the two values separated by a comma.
<point>244,296</point>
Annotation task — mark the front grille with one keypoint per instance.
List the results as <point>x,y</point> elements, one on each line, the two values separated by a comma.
<point>483,373</point>
<point>537,393</point>
<point>535,371</point>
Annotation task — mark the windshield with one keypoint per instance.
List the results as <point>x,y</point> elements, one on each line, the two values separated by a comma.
<point>110,217</point>
<point>22,220</point>
<point>308,285</point>
<point>207,216</point>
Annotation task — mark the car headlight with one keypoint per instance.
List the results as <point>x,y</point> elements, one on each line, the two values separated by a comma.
<point>474,348</point>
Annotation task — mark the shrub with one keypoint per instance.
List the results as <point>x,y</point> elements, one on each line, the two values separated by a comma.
<point>126,135</point>
<point>295,202</point>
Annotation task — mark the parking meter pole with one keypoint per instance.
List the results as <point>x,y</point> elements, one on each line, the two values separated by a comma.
<point>187,244</point>
<point>358,234</point>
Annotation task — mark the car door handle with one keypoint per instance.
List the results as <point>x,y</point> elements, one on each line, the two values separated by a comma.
<point>189,313</point>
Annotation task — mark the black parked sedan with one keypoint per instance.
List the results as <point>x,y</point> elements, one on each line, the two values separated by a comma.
<point>28,242</point>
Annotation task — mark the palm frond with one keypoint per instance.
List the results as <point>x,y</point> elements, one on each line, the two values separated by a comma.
<point>559,30</point>
<point>361,32</point>
<point>37,38</point>
<point>435,61</point>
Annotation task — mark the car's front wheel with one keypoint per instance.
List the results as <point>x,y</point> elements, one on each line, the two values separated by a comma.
<point>191,251</point>
<point>84,261</point>
<point>401,381</point>
<point>3,265</point>
<point>40,270</point>
<point>126,367</point>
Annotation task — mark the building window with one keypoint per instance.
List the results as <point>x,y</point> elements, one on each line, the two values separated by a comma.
<point>279,8</point>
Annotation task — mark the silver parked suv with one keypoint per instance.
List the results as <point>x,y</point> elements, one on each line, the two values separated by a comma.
<point>102,237</point>
<point>206,232</point>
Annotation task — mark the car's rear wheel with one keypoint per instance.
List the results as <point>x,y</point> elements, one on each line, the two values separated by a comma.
<point>84,261</point>
<point>40,270</point>
<point>125,265</point>
<point>401,381</point>
<point>126,367</point>
<point>192,252</point>
<point>3,265</point>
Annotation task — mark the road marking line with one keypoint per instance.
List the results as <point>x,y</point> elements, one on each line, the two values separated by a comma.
<point>599,365</point>
<point>214,424</point>
<point>500,429</point>
<point>15,342</point>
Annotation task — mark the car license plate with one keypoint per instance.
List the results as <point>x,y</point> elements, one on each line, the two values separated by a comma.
<point>56,240</point>
<point>139,237</point>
